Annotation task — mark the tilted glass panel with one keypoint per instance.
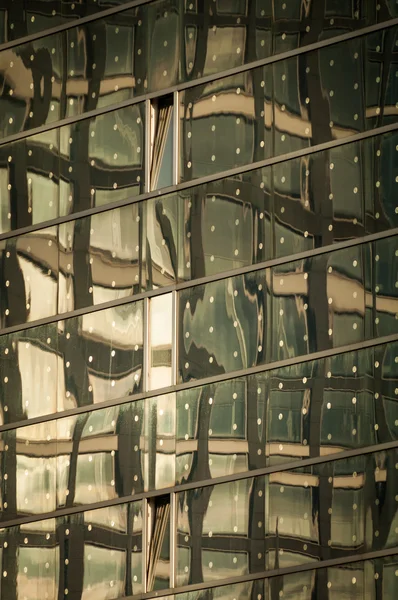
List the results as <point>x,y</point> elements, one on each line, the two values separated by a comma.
<point>287,518</point>
<point>159,528</point>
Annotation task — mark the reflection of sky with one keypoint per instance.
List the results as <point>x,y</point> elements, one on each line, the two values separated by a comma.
<point>227,305</point>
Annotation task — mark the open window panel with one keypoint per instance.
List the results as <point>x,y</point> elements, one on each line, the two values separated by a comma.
<point>158,543</point>
<point>162,139</point>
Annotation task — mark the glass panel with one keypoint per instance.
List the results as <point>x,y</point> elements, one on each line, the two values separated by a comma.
<point>102,159</point>
<point>76,362</point>
<point>312,409</point>
<point>237,307</point>
<point>219,124</point>
<point>317,303</point>
<point>158,574</point>
<point>385,264</point>
<point>287,518</point>
<point>79,555</point>
<point>29,273</point>
<point>181,236</point>
<point>161,325</point>
<point>99,258</point>
<point>160,44</point>
<point>158,461</point>
<point>268,111</point>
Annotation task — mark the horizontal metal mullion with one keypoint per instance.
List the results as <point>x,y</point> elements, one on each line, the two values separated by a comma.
<point>178,488</point>
<point>274,262</point>
<point>287,362</point>
<point>203,80</point>
<point>186,185</point>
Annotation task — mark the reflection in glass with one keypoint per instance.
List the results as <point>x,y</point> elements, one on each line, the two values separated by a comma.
<point>159,457</point>
<point>313,409</point>
<point>105,61</point>
<point>317,303</point>
<point>269,111</point>
<point>201,231</point>
<point>99,258</point>
<point>287,518</point>
<point>376,578</point>
<point>76,362</point>
<point>29,274</point>
<point>83,555</point>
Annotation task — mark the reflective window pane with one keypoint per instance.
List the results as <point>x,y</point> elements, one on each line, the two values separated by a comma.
<point>160,44</point>
<point>76,362</point>
<point>321,302</point>
<point>269,111</point>
<point>286,518</point>
<point>97,552</point>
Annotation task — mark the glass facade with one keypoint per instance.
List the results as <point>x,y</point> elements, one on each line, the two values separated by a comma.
<point>198,300</point>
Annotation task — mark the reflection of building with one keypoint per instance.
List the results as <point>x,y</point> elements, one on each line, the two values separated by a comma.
<point>198,300</point>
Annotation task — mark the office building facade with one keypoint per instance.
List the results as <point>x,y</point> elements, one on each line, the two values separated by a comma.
<point>199,299</point>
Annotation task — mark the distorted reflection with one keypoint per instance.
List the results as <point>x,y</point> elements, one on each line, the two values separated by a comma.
<point>314,409</point>
<point>158,462</point>
<point>29,275</point>
<point>376,578</point>
<point>94,554</point>
<point>268,111</point>
<point>105,61</point>
<point>101,355</point>
<point>317,303</point>
<point>182,236</point>
<point>311,409</point>
<point>91,457</point>
<point>238,307</point>
<point>295,516</point>
<point>99,258</point>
